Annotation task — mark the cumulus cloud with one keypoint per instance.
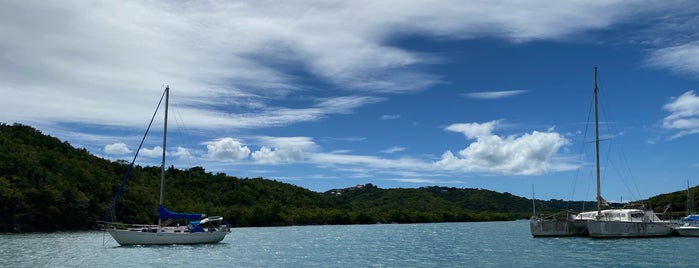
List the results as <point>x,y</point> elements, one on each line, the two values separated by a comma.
<point>157,151</point>
<point>528,154</point>
<point>119,148</point>
<point>283,149</point>
<point>684,114</point>
<point>181,152</point>
<point>227,149</point>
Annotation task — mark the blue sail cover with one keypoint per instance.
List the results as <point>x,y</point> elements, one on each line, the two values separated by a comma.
<point>164,214</point>
<point>691,218</point>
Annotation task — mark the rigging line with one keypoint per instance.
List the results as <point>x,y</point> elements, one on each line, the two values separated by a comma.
<point>628,178</point>
<point>130,168</point>
<point>628,168</point>
<point>180,125</point>
<point>587,130</point>
<point>581,154</point>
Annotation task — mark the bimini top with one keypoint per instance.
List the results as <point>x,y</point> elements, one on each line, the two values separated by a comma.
<point>693,217</point>
<point>164,214</point>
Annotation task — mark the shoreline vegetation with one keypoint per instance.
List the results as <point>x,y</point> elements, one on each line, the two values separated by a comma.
<point>48,185</point>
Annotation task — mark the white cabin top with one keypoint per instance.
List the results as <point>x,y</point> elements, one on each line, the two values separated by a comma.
<point>625,215</point>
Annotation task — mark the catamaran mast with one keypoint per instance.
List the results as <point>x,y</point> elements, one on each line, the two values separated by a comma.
<point>533,202</point>
<point>599,195</point>
<point>162,165</point>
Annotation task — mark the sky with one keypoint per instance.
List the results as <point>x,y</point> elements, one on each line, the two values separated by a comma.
<point>490,94</point>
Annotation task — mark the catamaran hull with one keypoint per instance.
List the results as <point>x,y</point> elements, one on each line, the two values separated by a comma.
<point>609,229</point>
<point>688,230</point>
<point>127,237</point>
<point>561,227</point>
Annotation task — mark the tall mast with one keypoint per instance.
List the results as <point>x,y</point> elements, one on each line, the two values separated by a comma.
<point>690,200</point>
<point>533,202</point>
<point>162,165</point>
<point>599,195</point>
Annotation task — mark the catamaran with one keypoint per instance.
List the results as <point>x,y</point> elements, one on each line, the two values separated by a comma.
<point>622,222</point>
<point>197,230</point>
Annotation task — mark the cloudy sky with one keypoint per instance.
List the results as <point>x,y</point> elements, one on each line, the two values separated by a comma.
<point>330,94</point>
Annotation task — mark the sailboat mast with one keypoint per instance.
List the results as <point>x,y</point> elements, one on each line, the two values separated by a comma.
<point>162,164</point>
<point>599,195</point>
<point>533,202</point>
<point>690,200</point>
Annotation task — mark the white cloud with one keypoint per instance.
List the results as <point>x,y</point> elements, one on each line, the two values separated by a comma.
<point>224,57</point>
<point>227,149</point>
<point>680,58</point>
<point>283,149</point>
<point>684,114</point>
<point>343,105</point>
<point>119,148</point>
<point>268,155</point>
<point>157,151</point>
<point>474,130</point>
<point>494,94</point>
<point>390,116</point>
<point>87,69</point>
<point>370,161</point>
<point>528,154</point>
<point>394,150</point>
<point>181,152</point>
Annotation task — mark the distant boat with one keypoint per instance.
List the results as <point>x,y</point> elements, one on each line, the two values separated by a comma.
<point>690,224</point>
<point>196,228</point>
<point>622,222</point>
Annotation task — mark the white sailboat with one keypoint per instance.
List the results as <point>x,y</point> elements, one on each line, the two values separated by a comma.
<point>622,222</point>
<point>690,224</point>
<point>197,230</point>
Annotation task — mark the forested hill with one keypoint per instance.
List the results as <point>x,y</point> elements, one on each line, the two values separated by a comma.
<point>47,185</point>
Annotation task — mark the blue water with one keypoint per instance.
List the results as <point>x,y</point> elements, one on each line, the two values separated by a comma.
<point>490,244</point>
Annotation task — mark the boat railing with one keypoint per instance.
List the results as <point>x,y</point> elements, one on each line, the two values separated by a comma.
<point>560,215</point>
<point>105,225</point>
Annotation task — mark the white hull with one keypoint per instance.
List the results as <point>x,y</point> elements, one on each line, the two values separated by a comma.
<point>688,230</point>
<point>604,229</point>
<point>130,237</point>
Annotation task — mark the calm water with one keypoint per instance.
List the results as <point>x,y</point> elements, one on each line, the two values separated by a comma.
<point>383,245</point>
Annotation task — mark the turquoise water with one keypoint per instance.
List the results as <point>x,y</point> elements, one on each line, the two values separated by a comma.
<point>493,244</point>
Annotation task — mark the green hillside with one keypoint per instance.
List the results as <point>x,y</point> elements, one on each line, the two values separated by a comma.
<point>48,185</point>
<point>677,201</point>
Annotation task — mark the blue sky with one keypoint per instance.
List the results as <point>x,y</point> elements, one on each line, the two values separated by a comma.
<point>467,94</point>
